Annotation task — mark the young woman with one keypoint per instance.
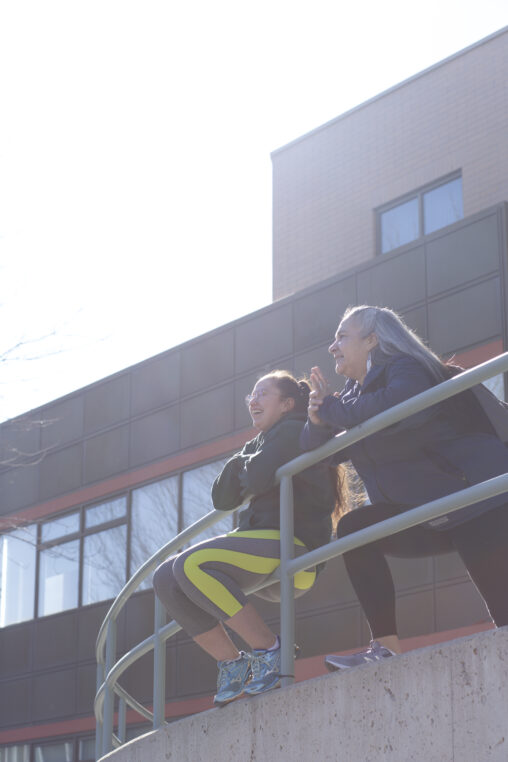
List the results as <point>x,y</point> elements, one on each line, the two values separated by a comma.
<point>203,587</point>
<point>430,454</point>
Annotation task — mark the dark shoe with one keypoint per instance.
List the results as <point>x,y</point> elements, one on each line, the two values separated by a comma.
<point>375,652</point>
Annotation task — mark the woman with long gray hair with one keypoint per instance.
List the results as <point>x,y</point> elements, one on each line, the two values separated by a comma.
<point>428,455</point>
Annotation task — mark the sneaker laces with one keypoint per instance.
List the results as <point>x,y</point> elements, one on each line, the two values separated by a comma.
<point>228,668</point>
<point>264,662</point>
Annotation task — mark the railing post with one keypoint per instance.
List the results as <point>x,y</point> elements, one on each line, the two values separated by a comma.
<point>159,666</point>
<point>98,723</point>
<point>287,599</point>
<point>122,719</point>
<point>109,694</point>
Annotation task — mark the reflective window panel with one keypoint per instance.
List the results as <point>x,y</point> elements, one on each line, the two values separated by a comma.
<point>496,385</point>
<point>15,753</point>
<point>442,206</point>
<point>100,514</point>
<point>154,521</point>
<point>54,752</point>
<point>104,562</point>
<point>58,578</point>
<point>399,225</point>
<point>86,750</point>
<point>63,525</point>
<point>17,576</point>
<point>197,500</point>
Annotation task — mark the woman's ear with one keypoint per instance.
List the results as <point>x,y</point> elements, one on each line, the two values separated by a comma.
<point>289,404</point>
<point>372,341</point>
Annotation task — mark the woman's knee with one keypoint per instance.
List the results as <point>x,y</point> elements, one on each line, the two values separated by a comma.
<point>164,582</point>
<point>349,523</point>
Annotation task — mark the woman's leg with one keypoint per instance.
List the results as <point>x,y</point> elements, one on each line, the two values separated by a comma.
<point>204,586</point>
<point>482,543</point>
<point>368,568</point>
<point>215,574</point>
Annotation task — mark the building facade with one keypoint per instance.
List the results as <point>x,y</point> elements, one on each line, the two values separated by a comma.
<point>93,483</point>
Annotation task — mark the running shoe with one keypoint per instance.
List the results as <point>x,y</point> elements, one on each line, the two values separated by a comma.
<point>266,675</point>
<point>375,652</point>
<point>232,678</point>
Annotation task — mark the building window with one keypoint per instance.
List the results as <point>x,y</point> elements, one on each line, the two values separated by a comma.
<point>154,520</point>
<point>17,575</point>
<point>58,578</point>
<point>54,752</point>
<point>15,753</point>
<point>431,208</point>
<point>197,500</point>
<point>85,556</point>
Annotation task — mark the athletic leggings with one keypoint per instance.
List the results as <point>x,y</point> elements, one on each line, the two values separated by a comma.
<point>482,544</point>
<point>205,584</point>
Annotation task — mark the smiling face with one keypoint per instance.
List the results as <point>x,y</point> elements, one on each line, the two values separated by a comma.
<point>266,406</point>
<point>350,350</point>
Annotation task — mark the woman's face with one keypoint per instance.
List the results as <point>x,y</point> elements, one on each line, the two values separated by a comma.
<point>265,404</point>
<point>350,350</point>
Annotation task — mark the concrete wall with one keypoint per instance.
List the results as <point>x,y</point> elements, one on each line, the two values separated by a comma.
<point>438,704</point>
<point>328,184</point>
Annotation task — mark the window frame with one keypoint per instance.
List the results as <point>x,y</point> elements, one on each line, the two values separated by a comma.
<point>417,193</point>
<point>84,531</point>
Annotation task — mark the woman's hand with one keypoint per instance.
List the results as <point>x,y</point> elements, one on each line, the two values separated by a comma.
<point>319,390</point>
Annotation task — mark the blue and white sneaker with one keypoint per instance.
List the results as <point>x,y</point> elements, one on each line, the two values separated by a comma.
<point>375,652</point>
<point>266,675</point>
<point>232,678</point>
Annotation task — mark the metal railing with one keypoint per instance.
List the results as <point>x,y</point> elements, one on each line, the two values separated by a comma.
<point>108,672</point>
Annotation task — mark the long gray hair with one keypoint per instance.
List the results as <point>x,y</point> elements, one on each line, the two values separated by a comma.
<point>394,336</point>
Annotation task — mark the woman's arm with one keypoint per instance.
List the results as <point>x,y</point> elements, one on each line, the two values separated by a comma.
<point>226,489</point>
<point>405,377</point>
<point>313,435</point>
<point>280,445</point>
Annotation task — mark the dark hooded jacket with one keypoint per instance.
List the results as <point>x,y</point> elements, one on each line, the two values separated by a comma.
<point>252,472</point>
<point>433,453</point>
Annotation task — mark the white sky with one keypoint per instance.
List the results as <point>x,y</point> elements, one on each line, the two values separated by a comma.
<point>135,173</point>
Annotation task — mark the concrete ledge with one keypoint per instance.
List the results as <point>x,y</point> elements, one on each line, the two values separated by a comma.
<point>438,704</point>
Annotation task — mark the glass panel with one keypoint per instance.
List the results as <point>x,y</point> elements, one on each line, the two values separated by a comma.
<point>61,526</point>
<point>443,205</point>
<point>15,753</point>
<point>496,385</point>
<point>59,573</point>
<point>399,225</point>
<point>99,514</point>
<point>197,500</point>
<point>86,749</point>
<point>54,752</point>
<point>17,575</point>
<point>154,521</point>
<point>104,562</point>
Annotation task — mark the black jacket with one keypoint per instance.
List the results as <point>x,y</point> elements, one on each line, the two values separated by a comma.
<point>252,472</point>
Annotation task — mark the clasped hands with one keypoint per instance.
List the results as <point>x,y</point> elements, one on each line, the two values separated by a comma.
<point>320,388</point>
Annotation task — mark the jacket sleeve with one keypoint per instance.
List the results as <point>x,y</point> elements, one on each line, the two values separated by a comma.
<point>280,445</point>
<point>314,436</point>
<point>227,491</point>
<point>405,377</point>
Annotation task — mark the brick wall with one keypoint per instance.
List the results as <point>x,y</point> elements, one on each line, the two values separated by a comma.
<point>328,183</point>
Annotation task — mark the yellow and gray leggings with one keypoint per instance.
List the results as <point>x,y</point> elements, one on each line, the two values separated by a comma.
<point>205,584</point>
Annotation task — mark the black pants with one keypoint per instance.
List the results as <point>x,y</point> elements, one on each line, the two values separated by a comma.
<point>482,544</point>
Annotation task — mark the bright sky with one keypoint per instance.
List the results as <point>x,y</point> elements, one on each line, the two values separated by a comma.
<point>135,172</point>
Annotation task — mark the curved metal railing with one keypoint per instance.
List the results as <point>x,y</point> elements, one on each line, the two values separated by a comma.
<point>108,672</point>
